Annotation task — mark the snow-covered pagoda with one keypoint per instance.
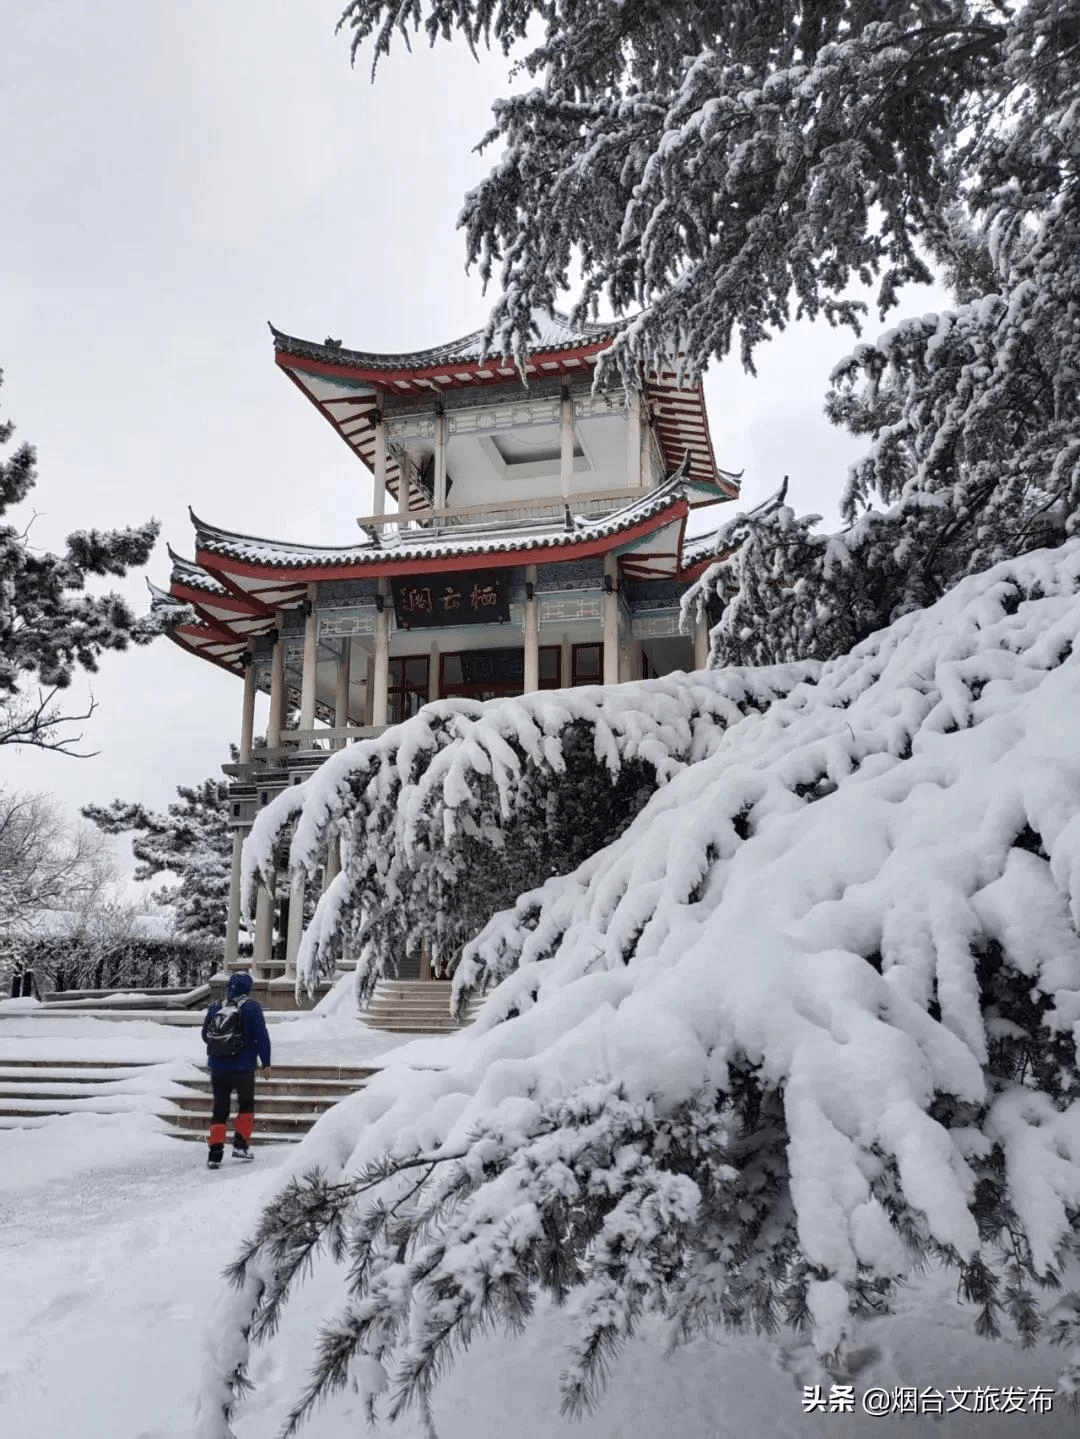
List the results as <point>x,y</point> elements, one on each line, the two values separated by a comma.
<point>528,531</point>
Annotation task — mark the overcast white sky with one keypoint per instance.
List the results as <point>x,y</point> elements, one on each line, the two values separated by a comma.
<point>177,175</point>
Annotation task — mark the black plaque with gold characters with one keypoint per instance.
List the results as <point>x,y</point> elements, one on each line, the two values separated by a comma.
<point>474,597</point>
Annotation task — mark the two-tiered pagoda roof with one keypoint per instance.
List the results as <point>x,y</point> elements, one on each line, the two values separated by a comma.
<point>238,582</point>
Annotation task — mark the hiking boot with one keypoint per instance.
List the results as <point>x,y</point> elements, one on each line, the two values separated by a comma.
<point>241,1149</point>
<point>215,1154</point>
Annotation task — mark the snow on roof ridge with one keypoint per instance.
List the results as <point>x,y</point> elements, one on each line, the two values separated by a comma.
<point>421,543</point>
<point>192,574</point>
<point>554,332</point>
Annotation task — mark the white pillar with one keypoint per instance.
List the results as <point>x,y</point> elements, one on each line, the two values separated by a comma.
<point>626,647</point>
<point>635,473</point>
<point>295,931</point>
<point>566,437</point>
<point>611,621</point>
<point>332,868</point>
<point>276,721</point>
<point>264,932</point>
<point>310,669</point>
<point>379,495</point>
<point>232,921</point>
<point>701,642</point>
<point>247,721</point>
<point>532,632</point>
<point>439,487</point>
<point>380,703</point>
<point>369,689</point>
<point>404,470</point>
<point>341,690</point>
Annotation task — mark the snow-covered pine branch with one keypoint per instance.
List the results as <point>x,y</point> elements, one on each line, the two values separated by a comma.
<point>50,628</point>
<point>719,169</point>
<point>450,816</point>
<point>811,1018</point>
<point>974,418</point>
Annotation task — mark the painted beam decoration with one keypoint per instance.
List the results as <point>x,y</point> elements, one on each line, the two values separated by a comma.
<point>468,597</point>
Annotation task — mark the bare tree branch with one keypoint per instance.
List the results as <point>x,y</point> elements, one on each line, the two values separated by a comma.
<point>24,721</point>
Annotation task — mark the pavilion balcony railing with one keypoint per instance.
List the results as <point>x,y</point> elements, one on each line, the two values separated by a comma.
<point>461,518</point>
<point>309,740</point>
<point>303,749</point>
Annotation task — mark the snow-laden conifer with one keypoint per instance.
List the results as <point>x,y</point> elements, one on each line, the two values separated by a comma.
<point>810,1020</point>
<point>718,167</point>
<point>50,628</point>
<point>448,817</point>
<point>190,841</point>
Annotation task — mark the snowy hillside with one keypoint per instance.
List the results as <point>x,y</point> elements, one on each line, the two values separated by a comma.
<point>811,1019</point>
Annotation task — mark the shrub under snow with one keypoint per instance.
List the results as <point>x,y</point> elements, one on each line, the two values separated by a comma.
<point>811,1019</point>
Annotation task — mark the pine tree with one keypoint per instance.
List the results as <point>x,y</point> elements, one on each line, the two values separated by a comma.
<point>49,626</point>
<point>191,841</point>
<point>715,165</point>
<point>806,1025</point>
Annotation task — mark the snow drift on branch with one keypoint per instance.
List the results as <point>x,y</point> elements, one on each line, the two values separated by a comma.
<point>811,1018</point>
<point>449,816</point>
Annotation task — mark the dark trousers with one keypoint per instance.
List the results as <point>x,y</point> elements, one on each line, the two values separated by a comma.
<point>223,1082</point>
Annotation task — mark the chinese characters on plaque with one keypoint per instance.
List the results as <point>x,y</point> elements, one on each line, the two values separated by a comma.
<point>478,597</point>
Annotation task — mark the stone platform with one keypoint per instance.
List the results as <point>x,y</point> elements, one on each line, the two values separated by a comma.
<point>272,990</point>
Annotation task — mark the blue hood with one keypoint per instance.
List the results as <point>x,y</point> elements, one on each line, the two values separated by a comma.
<point>239,984</point>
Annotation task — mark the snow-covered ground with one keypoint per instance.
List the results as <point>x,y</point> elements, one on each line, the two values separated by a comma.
<point>114,1237</point>
<point>113,1241</point>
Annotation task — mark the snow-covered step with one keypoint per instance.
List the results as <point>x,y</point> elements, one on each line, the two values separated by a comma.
<point>287,1103</point>
<point>267,1126</point>
<point>64,1011</point>
<point>34,1090</point>
<point>413,1006</point>
<point>64,1067</point>
<point>197,1133</point>
<point>69,996</point>
<point>411,1026</point>
<point>283,1080</point>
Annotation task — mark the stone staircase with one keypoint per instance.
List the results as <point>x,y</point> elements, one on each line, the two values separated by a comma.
<point>414,1006</point>
<point>286,1105</point>
<point>35,1091</point>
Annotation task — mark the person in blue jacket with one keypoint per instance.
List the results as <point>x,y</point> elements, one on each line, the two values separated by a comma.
<point>236,1071</point>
